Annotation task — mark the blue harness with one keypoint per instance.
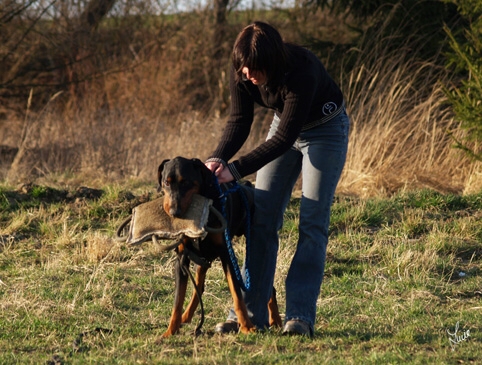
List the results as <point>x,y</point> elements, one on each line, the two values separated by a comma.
<point>245,286</point>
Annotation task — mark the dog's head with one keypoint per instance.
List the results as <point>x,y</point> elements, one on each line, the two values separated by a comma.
<point>179,179</point>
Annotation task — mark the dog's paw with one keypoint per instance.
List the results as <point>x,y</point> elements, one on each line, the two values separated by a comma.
<point>161,338</point>
<point>247,330</point>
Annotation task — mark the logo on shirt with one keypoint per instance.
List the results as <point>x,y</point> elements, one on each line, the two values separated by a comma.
<point>329,108</point>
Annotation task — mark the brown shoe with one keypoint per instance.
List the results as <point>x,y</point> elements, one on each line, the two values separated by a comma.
<point>297,327</point>
<point>227,327</point>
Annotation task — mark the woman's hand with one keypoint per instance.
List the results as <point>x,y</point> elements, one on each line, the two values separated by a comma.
<point>223,174</point>
<point>215,167</point>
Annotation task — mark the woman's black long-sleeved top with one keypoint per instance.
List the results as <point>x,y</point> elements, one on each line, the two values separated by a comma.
<point>307,97</point>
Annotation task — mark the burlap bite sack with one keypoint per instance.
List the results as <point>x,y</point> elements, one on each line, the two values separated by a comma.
<point>150,219</point>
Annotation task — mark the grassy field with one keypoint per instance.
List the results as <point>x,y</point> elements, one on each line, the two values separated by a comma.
<point>403,279</point>
<point>403,284</point>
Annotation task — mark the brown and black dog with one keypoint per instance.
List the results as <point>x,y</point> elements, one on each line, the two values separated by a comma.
<point>179,179</point>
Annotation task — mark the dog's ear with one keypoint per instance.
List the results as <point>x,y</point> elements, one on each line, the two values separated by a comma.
<point>206,174</point>
<point>159,175</point>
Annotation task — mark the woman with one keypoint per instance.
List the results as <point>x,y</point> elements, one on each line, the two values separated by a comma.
<point>308,135</point>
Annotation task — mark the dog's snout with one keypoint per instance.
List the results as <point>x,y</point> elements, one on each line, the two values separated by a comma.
<point>173,207</point>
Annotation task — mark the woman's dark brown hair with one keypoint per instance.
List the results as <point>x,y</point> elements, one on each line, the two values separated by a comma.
<point>259,47</point>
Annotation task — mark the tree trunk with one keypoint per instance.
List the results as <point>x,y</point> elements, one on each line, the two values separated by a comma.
<point>93,14</point>
<point>220,21</point>
<point>81,62</point>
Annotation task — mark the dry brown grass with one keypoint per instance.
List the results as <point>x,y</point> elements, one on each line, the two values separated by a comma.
<point>398,137</point>
<point>392,149</point>
<point>400,128</point>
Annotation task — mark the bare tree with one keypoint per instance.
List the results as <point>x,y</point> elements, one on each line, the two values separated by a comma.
<point>81,65</point>
<point>44,45</point>
<point>37,54</point>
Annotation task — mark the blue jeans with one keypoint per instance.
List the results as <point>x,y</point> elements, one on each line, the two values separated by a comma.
<point>319,154</point>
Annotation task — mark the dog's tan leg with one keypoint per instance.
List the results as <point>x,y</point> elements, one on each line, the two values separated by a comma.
<point>180,295</point>
<point>245,324</point>
<point>191,307</point>
<point>274,317</point>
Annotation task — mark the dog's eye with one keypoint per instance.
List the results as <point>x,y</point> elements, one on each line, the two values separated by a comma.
<point>165,183</point>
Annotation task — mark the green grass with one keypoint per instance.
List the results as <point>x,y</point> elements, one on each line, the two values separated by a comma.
<point>400,273</point>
